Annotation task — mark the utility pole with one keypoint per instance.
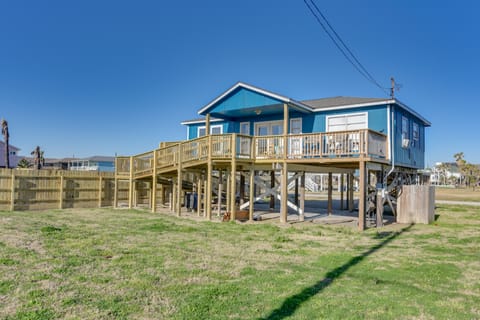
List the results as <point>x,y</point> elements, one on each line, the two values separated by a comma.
<point>392,88</point>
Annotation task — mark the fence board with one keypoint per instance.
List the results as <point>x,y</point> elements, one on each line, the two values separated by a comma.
<point>52,189</point>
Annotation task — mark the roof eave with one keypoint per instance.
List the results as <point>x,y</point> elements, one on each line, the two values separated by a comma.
<point>258,90</point>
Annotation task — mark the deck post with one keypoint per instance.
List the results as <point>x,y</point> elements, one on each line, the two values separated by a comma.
<point>351,191</point>
<point>208,201</point>
<point>179,182</point>
<point>130,186</point>
<point>219,197</point>
<point>272,185</point>
<point>284,184</point>
<point>174,195</point>
<point>341,190</point>
<point>205,186</point>
<point>242,188</point>
<point>330,190</point>
<point>227,200</point>
<point>207,125</point>
<point>284,194</point>
<point>301,216</point>
<point>361,197</point>
<point>233,191</point>
<point>154,182</point>
<point>251,195</point>
<point>199,194</point>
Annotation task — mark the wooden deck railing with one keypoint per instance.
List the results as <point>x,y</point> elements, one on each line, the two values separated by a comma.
<point>344,144</point>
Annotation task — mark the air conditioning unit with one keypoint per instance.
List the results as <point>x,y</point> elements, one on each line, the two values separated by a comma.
<point>405,143</point>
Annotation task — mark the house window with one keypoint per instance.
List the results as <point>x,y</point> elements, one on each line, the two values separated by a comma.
<point>245,128</point>
<point>405,133</point>
<point>217,129</point>
<point>296,125</point>
<point>416,132</point>
<point>347,122</point>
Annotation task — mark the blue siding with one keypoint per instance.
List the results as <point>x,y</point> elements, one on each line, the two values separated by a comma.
<point>413,155</point>
<point>312,122</point>
<point>192,130</point>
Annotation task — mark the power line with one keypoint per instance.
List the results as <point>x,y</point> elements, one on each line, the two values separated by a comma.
<point>336,39</point>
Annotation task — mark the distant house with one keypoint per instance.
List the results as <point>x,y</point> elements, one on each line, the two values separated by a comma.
<point>14,158</point>
<point>95,163</point>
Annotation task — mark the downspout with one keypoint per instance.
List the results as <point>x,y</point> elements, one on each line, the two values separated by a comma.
<point>385,191</point>
<point>392,144</point>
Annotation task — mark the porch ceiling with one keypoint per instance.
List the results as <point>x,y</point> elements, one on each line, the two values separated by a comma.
<point>263,110</point>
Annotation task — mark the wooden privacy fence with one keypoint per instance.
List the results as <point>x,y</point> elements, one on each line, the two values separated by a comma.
<point>57,189</point>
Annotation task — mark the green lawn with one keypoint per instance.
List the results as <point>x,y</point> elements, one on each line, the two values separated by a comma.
<point>106,264</point>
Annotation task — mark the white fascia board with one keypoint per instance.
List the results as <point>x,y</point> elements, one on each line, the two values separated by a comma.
<point>258,90</point>
<point>200,121</point>
<point>416,114</point>
<point>390,101</point>
<point>358,105</point>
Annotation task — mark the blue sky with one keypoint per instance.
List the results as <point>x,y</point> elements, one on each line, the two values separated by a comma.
<point>90,78</point>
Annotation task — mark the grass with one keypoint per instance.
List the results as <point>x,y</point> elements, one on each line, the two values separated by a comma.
<point>457,194</point>
<point>128,264</point>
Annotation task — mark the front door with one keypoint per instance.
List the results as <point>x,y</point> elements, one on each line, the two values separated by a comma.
<point>272,144</point>
<point>295,140</point>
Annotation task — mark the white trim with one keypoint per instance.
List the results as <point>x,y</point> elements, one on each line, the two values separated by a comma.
<point>369,104</point>
<point>200,121</point>
<point>211,129</point>
<point>357,105</point>
<point>240,127</point>
<point>327,129</point>
<point>188,132</point>
<point>258,90</point>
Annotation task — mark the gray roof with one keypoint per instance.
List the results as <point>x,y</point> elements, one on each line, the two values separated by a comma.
<point>340,101</point>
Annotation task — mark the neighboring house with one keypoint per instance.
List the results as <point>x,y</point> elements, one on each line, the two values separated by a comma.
<point>445,173</point>
<point>95,163</point>
<point>14,158</point>
<point>251,132</point>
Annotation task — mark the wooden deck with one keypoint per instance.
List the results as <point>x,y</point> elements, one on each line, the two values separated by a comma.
<point>312,148</point>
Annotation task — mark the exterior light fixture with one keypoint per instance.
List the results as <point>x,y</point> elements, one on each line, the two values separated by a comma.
<point>258,111</point>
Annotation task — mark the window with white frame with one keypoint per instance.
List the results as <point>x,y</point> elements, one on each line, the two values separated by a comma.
<point>405,133</point>
<point>245,128</point>
<point>217,129</point>
<point>416,132</point>
<point>347,122</point>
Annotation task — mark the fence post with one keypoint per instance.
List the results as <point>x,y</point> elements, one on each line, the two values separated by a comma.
<point>60,197</point>
<point>12,189</point>
<point>100,184</point>
<point>131,185</point>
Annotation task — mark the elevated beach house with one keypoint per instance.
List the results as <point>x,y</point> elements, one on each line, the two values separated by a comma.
<point>249,133</point>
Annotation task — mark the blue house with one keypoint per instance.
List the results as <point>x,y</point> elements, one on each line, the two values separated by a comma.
<point>248,131</point>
